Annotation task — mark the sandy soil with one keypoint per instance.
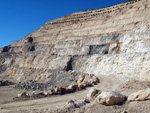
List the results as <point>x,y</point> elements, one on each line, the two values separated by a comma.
<point>54,103</point>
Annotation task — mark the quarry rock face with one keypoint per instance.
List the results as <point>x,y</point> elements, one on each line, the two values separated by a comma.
<point>112,41</point>
<point>106,50</point>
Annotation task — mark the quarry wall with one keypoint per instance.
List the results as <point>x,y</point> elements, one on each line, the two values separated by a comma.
<point>111,44</point>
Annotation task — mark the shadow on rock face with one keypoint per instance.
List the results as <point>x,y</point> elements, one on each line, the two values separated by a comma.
<point>6,49</point>
<point>5,83</point>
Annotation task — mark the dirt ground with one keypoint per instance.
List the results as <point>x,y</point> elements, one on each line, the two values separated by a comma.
<point>55,103</point>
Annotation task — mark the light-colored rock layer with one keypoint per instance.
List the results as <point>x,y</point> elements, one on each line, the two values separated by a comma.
<point>126,56</point>
<point>134,65</point>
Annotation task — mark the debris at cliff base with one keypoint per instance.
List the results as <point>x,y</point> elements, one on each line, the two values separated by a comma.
<point>60,83</point>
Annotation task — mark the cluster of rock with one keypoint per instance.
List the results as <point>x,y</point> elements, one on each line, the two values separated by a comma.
<point>62,82</point>
<point>33,85</point>
<point>96,96</point>
<point>115,98</point>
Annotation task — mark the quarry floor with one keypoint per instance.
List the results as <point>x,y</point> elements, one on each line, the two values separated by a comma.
<point>49,104</point>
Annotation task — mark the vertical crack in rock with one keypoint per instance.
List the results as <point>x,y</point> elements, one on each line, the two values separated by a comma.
<point>69,65</point>
<point>31,48</point>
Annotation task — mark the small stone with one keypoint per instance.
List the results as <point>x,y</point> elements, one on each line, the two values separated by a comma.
<point>38,95</point>
<point>80,79</point>
<point>46,94</point>
<point>24,94</point>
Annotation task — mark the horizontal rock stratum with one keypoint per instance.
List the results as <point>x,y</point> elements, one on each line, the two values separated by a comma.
<point>112,41</point>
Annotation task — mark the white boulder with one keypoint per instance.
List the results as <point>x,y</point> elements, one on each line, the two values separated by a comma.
<point>110,98</point>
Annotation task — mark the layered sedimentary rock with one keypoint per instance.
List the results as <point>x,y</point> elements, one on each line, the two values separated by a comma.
<point>112,41</point>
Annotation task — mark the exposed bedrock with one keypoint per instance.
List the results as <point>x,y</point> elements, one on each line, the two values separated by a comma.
<point>134,65</point>
<point>112,44</point>
<point>125,55</point>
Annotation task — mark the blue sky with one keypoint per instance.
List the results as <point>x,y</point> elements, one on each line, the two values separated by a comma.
<point>21,17</point>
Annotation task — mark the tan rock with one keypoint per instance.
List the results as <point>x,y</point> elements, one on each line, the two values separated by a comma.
<point>110,98</point>
<point>140,95</point>
<point>80,79</point>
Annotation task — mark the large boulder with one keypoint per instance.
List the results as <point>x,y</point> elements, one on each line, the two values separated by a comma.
<point>110,98</point>
<point>140,95</point>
